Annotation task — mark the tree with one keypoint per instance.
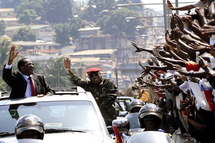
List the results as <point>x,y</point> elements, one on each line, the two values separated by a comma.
<point>27,17</point>
<point>105,4</point>
<point>109,4</point>
<point>22,7</point>
<point>9,3</point>
<point>4,50</point>
<point>123,1</point>
<point>89,14</point>
<point>76,24</point>
<point>62,33</point>
<point>36,5</point>
<point>24,34</point>
<point>115,22</point>
<point>5,44</point>
<point>58,11</point>
<point>67,30</point>
<point>2,27</point>
<point>56,74</point>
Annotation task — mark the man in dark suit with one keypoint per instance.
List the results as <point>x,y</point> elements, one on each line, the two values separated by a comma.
<point>24,83</point>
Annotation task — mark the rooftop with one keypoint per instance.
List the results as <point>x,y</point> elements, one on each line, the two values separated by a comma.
<point>31,27</point>
<point>9,19</point>
<point>31,43</point>
<point>6,9</point>
<point>89,28</point>
<point>96,59</point>
<point>94,52</point>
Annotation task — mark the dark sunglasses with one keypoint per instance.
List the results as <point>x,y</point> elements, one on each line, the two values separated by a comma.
<point>28,64</point>
<point>150,119</point>
<point>92,75</point>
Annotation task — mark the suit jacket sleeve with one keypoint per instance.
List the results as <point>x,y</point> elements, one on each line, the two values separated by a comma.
<point>16,81</point>
<point>8,77</point>
<point>42,87</point>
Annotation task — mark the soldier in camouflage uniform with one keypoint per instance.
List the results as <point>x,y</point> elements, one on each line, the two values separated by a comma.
<point>103,90</point>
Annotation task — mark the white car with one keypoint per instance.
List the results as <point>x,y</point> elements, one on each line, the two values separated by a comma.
<point>67,116</point>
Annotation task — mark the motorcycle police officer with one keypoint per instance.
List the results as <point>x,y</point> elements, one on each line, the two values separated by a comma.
<point>29,127</point>
<point>135,105</point>
<point>150,117</point>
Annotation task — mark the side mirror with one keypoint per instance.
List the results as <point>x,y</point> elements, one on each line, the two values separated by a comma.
<point>123,113</point>
<point>122,124</point>
<point>110,129</point>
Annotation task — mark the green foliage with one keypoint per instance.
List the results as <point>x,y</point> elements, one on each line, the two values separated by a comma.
<point>123,1</point>
<point>97,9</point>
<point>67,30</point>
<point>24,34</point>
<point>2,27</point>
<point>89,14</point>
<point>58,11</point>
<point>4,50</point>
<point>62,33</point>
<point>22,7</point>
<point>36,5</point>
<point>9,3</point>
<point>38,69</point>
<point>104,4</point>
<point>27,17</point>
<point>75,24</point>
<point>76,10</point>
<point>115,22</point>
<point>56,75</point>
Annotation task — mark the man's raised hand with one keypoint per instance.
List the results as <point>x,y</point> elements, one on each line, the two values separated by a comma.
<point>67,64</point>
<point>12,55</point>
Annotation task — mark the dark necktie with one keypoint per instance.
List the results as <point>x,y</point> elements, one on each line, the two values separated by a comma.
<point>33,90</point>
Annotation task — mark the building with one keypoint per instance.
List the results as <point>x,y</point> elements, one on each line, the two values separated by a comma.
<point>90,31</point>
<point>7,12</point>
<point>37,45</point>
<point>102,53</point>
<point>43,32</point>
<point>92,39</point>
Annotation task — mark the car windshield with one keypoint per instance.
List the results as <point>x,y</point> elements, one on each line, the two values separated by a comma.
<point>124,103</point>
<point>70,115</point>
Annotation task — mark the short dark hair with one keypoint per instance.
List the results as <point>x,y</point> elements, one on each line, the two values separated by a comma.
<point>21,63</point>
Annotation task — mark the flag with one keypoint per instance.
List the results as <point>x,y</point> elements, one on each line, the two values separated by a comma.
<point>118,137</point>
<point>192,66</point>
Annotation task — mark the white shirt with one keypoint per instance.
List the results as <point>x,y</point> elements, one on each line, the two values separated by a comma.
<point>184,87</point>
<point>28,88</point>
<point>212,39</point>
<point>212,61</point>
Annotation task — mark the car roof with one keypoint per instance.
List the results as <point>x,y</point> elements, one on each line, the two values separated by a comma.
<point>77,93</point>
<point>125,97</point>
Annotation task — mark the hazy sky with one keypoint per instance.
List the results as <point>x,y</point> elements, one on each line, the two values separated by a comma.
<point>159,7</point>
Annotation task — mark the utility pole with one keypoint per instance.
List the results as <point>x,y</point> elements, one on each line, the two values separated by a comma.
<point>164,14</point>
<point>176,5</point>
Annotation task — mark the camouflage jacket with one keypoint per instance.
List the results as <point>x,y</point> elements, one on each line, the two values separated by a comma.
<point>104,93</point>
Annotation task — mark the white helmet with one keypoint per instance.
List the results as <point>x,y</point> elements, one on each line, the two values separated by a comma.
<point>29,122</point>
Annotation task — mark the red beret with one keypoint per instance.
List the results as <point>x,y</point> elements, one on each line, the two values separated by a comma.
<point>160,71</point>
<point>92,70</point>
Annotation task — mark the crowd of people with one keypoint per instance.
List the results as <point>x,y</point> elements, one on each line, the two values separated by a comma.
<point>180,76</point>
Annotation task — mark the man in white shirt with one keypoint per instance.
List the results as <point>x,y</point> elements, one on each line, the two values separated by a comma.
<point>24,83</point>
